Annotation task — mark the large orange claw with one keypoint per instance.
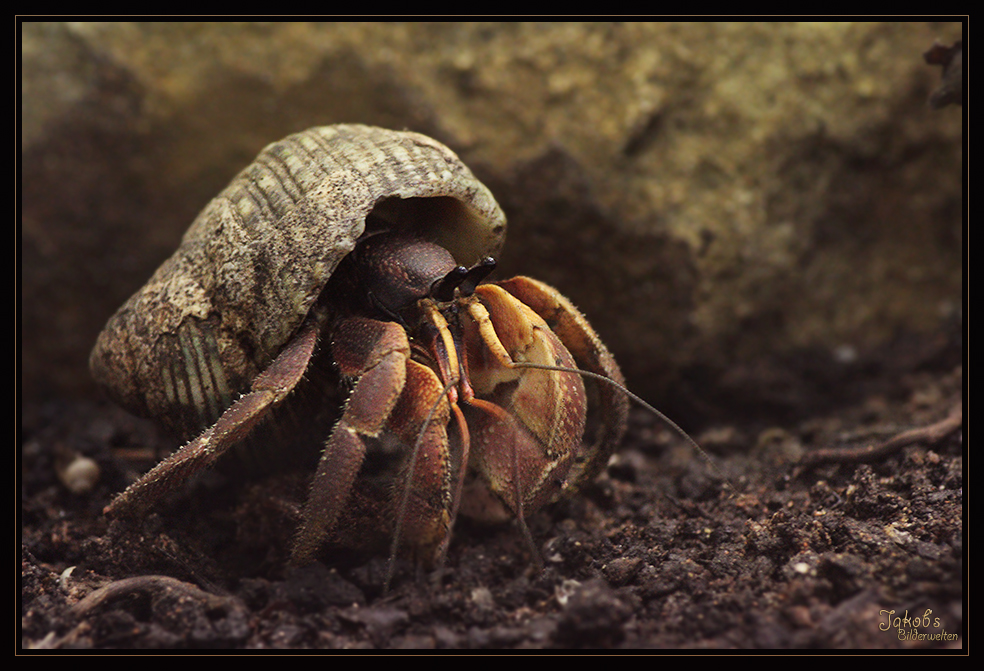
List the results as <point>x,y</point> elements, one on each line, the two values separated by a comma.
<point>590,354</point>
<point>526,423</point>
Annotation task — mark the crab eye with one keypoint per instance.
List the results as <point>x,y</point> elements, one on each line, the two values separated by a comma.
<point>443,289</point>
<point>475,275</point>
<point>463,279</point>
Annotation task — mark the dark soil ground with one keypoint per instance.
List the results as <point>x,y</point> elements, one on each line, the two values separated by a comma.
<point>660,552</point>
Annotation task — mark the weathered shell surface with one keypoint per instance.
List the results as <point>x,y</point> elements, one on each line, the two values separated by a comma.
<point>257,257</point>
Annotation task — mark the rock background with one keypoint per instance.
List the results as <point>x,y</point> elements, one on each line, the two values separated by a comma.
<point>746,211</point>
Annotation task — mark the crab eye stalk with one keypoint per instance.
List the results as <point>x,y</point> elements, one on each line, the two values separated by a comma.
<point>475,275</point>
<point>443,289</point>
<point>465,280</point>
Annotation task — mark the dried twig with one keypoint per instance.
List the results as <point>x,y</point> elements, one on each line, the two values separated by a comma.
<point>930,434</point>
<point>153,585</point>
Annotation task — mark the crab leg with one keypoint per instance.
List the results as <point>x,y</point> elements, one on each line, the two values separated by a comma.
<point>426,504</point>
<point>389,394</point>
<point>268,389</point>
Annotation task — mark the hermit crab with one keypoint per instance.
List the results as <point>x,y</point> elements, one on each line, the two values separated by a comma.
<point>332,295</point>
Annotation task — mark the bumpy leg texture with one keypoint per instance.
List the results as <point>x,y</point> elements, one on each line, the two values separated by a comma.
<point>366,413</point>
<point>235,424</point>
<point>392,393</point>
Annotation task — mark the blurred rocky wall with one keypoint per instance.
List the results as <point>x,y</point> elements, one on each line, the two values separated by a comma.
<point>722,200</point>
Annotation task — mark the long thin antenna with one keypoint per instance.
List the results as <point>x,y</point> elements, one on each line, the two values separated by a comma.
<point>669,422</point>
